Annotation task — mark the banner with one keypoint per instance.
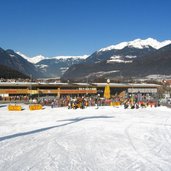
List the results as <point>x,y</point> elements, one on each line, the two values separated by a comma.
<point>107,92</point>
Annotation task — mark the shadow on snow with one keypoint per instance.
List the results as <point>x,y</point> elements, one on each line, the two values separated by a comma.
<point>3,106</point>
<point>72,121</point>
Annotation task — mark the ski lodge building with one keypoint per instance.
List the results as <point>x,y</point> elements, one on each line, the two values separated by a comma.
<point>8,89</point>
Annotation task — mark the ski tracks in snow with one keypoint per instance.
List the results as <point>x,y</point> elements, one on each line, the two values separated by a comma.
<point>153,142</point>
<point>107,140</point>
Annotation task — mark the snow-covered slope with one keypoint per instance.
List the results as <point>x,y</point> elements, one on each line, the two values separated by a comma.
<point>119,59</point>
<point>37,59</point>
<point>139,43</point>
<point>34,59</point>
<point>104,139</point>
<point>68,57</point>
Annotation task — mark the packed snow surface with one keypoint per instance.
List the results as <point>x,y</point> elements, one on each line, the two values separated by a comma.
<point>104,139</point>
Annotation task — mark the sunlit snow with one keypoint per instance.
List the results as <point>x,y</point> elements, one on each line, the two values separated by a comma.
<point>139,43</point>
<point>39,58</point>
<point>104,139</point>
<point>118,59</point>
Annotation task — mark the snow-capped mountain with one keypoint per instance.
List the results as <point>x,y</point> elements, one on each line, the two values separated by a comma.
<point>39,58</point>
<point>125,58</point>
<point>139,44</point>
<point>34,59</point>
<point>57,66</point>
<point>13,60</point>
<point>125,51</point>
<point>38,66</point>
<point>53,66</point>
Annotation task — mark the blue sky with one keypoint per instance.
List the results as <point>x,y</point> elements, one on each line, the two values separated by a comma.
<point>78,27</point>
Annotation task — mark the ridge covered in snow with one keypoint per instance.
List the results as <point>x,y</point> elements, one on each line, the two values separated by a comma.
<point>68,57</point>
<point>34,59</point>
<point>139,43</point>
<point>39,58</point>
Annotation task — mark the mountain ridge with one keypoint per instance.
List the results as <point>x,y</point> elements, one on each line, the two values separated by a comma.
<point>112,61</point>
<point>39,58</point>
<point>116,62</point>
<point>139,43</point>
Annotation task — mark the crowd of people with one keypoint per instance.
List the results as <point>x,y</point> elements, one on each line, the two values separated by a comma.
<point>132,101</point>
<point>82,102</point>
<point>129,103</point>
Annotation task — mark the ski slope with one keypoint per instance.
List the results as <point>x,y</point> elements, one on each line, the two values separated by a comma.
<point>104,139</point>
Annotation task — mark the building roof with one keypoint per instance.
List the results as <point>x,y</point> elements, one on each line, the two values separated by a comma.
<point>56,84</point>
<point>126,85</point>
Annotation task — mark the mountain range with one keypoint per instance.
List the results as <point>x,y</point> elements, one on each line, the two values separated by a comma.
<point>14,61</point>
<point>53,66</point>
<point>137,58</point>
<point>38,66</point>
